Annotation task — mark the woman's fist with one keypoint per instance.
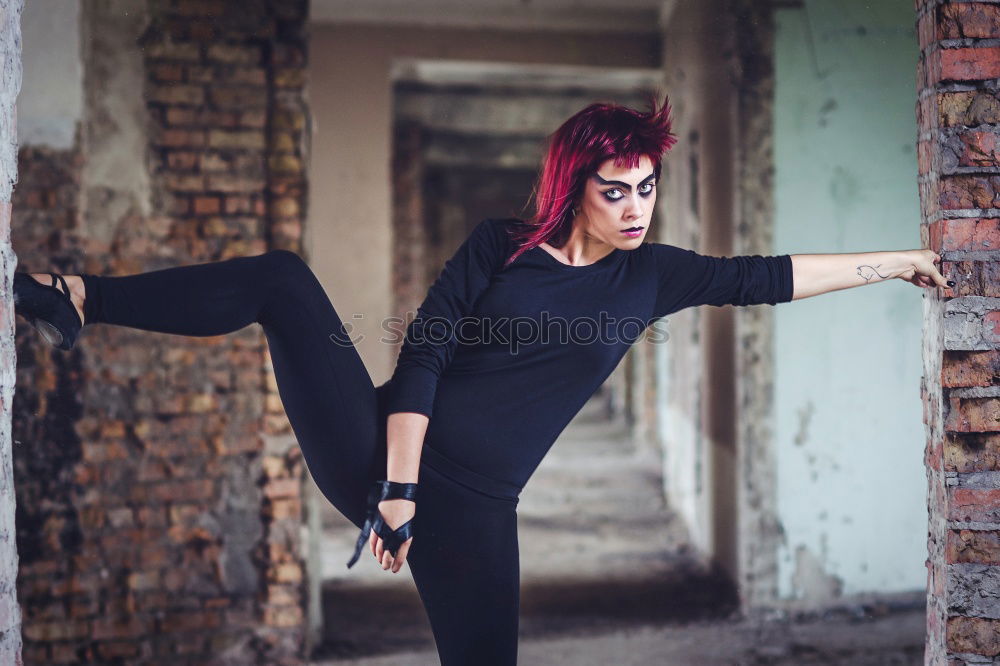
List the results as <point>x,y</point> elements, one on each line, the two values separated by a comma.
<point>395,512</point>
<point>921,271</point>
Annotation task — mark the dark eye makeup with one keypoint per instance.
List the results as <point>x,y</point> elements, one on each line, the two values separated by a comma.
<point>644,191</point>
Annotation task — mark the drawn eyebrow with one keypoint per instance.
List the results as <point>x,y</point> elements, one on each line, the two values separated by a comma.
<point>619,183</point>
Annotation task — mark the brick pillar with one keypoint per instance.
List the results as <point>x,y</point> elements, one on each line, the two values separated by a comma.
<point>958,112</point>
<point>10,85</point>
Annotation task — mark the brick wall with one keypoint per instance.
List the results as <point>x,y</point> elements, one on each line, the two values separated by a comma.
<point>158,481</point>
<point>958,111</point>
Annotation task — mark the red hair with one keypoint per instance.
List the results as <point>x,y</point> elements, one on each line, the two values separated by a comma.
<point>574,152</point>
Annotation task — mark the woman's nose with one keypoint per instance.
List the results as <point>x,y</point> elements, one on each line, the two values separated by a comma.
<point>635,208</point>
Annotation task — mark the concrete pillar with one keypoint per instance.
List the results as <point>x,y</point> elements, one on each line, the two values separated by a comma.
<point>10,85</point>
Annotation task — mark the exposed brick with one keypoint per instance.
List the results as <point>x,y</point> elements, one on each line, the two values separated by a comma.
<point>974,505</point>
<point>176,94</point>
<point>190,621</point>
<point>286,207</point>
<point>976,20</point>
<point>246,55</point>
<point>976,234</point>
<point>247,139</point>
<point>290,78</point>
<point>973,546</point>
<point>171,51</point>
<point>972,452</point>
<point>233,184</point>
<point>181,160</point>
<point>183,182</point>
<point>973,415</point>
<point>177,138</point>
<point>55,631</point>
<point>242,97</point>
<point>170,72</point>
<point>206,205</point>
<point>980,149</point>
<point>123,627</point>
<point>973,278</point>
<point>968,107</point>
<point>974,635</point>
<point>970,64</point>
<point>959,192</point>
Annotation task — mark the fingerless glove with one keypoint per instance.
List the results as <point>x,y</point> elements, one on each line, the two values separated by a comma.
<point>391,539</point>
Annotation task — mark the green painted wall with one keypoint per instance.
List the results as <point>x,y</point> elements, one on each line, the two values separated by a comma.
<point>850,440</point>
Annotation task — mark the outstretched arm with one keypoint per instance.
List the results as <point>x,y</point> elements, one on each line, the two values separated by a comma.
<point>815,274</point>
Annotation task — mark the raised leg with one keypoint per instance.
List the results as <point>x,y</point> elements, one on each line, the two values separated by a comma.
<point>326,390</point>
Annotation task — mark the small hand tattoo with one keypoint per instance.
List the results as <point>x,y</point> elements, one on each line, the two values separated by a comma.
<point>868,272</point>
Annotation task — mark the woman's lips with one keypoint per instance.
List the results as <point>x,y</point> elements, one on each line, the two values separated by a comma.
<point>632,232</point>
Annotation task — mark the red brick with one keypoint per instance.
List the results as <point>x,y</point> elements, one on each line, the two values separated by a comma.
<point>973,635</point>
<point>976,20</point>
<point>968,107</point>
<point>962,192</point>
<point>980,149</point>
<point>178,138</point>
<point>973,278</point>
<point>970,368</point>
<point>168,73</point>
<point>973,415</point>
<point>228,183</point>
<point>973,546</point>
<point>247,55</point>
<point>206,205</point>
<point>176,94</point>
<point>172,51</point>
<point>124,627</point>
<point>969,234</point>
<point>203,31</point>
<point>115,650</point>
<point>970,64</point>
<point>974,505</point>
<point>246,139</point>
<point>238,97</point>
<point>181,160</point>
<point>190,620</point>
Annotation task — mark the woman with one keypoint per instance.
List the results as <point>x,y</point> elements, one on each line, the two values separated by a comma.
<point>523,324</point>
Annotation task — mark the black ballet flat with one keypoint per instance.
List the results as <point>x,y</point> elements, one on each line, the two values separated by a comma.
<point>392,539</point>
<point>48,308</point>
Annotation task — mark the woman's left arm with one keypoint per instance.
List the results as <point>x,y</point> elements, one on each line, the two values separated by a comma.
<point>815,274</point>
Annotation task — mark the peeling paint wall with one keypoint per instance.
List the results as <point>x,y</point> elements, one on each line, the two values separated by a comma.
<point>849,435</point>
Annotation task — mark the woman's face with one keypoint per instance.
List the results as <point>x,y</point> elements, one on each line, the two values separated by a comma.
<point>615,199</point>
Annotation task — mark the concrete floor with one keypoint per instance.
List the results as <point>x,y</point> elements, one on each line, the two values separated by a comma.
<point>607,577</point>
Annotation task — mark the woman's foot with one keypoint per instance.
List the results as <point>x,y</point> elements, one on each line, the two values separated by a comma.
<point>52,304</point>
<point>77,290</point>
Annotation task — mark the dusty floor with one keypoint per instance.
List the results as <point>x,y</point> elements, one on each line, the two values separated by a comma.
<point>608,577</point>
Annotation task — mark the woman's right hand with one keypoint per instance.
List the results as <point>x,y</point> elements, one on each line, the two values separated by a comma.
<point>395,512</point>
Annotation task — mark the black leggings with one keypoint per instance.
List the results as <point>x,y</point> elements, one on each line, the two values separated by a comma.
<point>464,555</point>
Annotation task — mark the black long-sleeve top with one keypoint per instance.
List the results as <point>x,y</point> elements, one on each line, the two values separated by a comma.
<point>498,391</point>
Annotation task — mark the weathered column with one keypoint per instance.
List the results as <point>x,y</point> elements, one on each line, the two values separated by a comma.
<point>10,85</point>
<point>958,111</point>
